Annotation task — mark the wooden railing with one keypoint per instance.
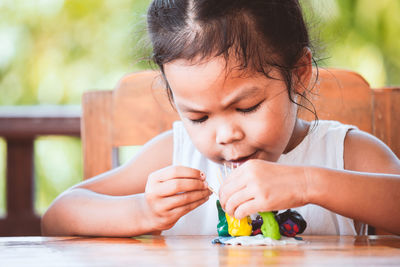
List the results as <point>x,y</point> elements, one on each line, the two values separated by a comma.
<point>19,126</point>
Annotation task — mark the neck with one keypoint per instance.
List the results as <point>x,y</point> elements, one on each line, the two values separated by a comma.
<point>299,133</point>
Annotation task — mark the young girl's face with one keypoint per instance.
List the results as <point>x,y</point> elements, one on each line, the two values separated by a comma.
<point>232,116</point>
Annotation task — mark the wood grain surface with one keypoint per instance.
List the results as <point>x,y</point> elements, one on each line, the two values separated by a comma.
<point>196,251</point>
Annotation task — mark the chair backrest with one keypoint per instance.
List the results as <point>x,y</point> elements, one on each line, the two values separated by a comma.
<point>138,109</point>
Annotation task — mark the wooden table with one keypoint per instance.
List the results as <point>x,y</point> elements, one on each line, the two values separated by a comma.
<point>195,251</point>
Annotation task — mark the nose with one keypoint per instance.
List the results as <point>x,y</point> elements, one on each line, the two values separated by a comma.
<point>228,132</point>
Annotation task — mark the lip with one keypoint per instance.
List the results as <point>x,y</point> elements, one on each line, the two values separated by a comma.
<point>243,159</point>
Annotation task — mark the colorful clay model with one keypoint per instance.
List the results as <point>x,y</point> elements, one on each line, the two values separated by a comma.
<point>270,227</point>
<point>270,224</point>
<point>222,226</point>
<point>239,227</point>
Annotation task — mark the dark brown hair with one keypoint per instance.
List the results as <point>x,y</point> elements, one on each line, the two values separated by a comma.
<point>259,34</point>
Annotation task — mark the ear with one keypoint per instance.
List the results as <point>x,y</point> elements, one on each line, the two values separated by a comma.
<point>303,72</point>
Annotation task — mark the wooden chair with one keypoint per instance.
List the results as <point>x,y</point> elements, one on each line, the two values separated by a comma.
<point>138,109</point>
<point>134,112</point>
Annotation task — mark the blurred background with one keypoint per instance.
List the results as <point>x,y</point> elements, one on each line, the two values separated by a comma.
<point>51,51</point>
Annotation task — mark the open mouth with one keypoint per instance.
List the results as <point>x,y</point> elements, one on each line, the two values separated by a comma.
<point>243,159</point>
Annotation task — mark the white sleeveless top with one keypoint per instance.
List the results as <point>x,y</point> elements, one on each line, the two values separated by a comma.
<point>323,146</point>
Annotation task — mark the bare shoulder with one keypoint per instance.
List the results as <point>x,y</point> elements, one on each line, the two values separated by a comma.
<point>155,154</point>
<point>131,177</point>
<point>364,152</point>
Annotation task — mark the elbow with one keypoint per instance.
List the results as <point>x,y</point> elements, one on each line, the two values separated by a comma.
<point>55,221</point>
<point>50,225</point>
<point>45,224</point>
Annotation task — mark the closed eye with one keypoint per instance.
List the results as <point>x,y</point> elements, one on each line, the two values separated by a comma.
<point>250,109</point>
<point>202,119</point>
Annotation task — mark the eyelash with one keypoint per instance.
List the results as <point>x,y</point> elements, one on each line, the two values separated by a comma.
<point>202,119</point>
<point>250,109</point>
<point>243,111</point>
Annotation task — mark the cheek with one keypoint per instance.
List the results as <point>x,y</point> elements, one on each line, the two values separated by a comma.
<point>202,139</point>
<point>276,129</point>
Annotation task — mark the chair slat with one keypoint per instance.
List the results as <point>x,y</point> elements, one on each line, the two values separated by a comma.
<point>96,132</point>
<point>141,109</point>
<point>386,121</point>
<point>344,96</point>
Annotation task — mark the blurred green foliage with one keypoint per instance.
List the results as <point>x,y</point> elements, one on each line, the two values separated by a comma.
<point>360,35</point>
<point>58,166</point>
<point>53,50</point>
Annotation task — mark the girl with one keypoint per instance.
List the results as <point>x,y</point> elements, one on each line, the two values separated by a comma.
<point>237,72</point>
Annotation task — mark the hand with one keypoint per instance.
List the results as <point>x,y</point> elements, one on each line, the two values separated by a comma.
<point>172,192</point>
<point>259,185</point>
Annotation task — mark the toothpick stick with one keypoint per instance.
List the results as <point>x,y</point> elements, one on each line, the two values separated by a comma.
<point>212,190</point>
<point>225,170</point>
<point>219,176</point>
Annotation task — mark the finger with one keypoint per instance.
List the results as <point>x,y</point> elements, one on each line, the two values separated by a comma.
<point>175,186</point>
<point>245,209</point>
<point>183,199</point>
<point>234,173</point>
<point>172,172</point>
<point>232,185</point>
<point>182,210</point>
<point>236,199</point>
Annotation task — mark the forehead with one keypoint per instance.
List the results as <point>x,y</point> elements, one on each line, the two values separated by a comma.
<point>183,75</point>
<point>182,70</point>
<point>214,84</point>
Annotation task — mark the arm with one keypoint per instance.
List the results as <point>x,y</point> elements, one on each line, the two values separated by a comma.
<point>112,204</point>
<point>79,210</point>
<point>369,189</point>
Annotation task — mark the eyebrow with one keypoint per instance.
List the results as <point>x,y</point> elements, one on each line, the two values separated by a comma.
<point>246,92</point>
